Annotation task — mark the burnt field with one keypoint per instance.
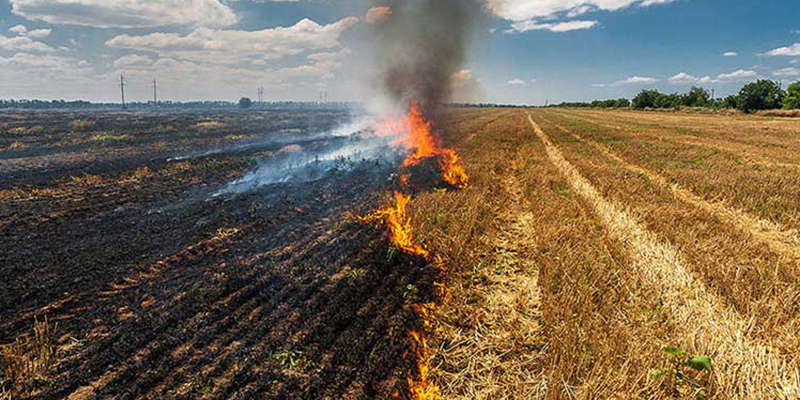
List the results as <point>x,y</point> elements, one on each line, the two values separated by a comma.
<point>530,254</point>
<point>166,280</point>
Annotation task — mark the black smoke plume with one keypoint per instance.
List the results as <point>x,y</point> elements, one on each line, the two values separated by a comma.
<point>421,45</point>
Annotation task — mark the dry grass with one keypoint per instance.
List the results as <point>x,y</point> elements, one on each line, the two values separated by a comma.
<point>207,125</point>
<point>81,125</point>
<point>779,113</point>
<point>541,302</point>
<point>745,368</point>
<point>768,189</point>
<point>26,362</point>
<point>86,180</point>
<point>773,235</point>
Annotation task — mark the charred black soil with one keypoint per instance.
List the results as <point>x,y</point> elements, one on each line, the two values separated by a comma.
<point>162,290</point>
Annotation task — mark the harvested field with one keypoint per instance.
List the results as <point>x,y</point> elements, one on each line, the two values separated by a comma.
<point>585,244</point>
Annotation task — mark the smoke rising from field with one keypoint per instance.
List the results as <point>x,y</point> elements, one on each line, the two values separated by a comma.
<point>421,47</point>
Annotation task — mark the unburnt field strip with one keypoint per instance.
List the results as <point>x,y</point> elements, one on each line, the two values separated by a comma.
<point>589,262</point>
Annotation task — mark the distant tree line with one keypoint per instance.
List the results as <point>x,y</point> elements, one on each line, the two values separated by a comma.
<point>760,95</point>
<point>482,105</point>
<point>217,104</point>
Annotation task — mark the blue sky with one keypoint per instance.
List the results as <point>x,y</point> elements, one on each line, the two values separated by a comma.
<point>528,52</point>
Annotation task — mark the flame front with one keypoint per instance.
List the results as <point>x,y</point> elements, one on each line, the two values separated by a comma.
<point>399,225</point>
<point>426,145</point>
<point>423,144</point>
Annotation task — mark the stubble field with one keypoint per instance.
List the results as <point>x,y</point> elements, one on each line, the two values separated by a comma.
<point>586,244</point>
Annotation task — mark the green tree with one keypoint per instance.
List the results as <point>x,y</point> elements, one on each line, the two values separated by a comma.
<point>732,101</point>
<point>645,99</point>
<point>792,100</point>
<point>761,95</point>
<point>697,97</point>
<point>245,103</point>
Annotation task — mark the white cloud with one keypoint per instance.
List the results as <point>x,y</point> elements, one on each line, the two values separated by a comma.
<point>682,78</point>
<point>532,25</point>
<point>32,75</point>
<point>377,15</point>
<point>126,13</point>
<point>730,54</point>
<point>23,43</point>
<point>531,13</point>
<point>39,33</point>
<point>634,80</point>
<point>789,51</point>
<point>578,11</point>
<point>21,30</point>
<point>231,46</point>
<point>533,80</point>
<point>686,79</point>
<point>132,60</point>
<point>523,10</point>
<point>516,82</point>
<point>737,75</point>
<point>786,72</point>
<point>230,62</point>
<point>328,56</point>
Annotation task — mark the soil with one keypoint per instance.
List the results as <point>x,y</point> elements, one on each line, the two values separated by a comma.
<point>162,290</point>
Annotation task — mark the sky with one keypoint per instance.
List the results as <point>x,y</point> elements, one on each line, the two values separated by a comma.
<point>522,52</point>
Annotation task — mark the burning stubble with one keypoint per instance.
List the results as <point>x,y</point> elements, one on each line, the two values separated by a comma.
<point>421,48</point>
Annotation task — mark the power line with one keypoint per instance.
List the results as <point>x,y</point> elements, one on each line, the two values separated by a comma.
<point>122,89</point>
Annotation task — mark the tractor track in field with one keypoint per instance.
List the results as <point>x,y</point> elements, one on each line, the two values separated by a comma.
<point>745,368</point>
<point>509,318</point>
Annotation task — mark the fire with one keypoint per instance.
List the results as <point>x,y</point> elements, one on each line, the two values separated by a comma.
<point>423,145</point>
<point>421,387</point>
<point>399,225</point>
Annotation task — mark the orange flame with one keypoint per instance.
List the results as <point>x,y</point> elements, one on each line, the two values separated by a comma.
<point>399,225</point>
<point>423,144</point>
<point>426,145</point>
<point>421,387</point>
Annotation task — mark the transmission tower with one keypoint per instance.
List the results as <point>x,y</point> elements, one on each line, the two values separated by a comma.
<point>155,93</point>
<point>261,96</point>
<point>122,89</point>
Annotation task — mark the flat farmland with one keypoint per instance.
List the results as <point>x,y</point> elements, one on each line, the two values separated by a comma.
<point>594,254</point>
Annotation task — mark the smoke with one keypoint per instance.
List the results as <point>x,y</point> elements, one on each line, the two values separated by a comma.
<point>310,158</point>
<point>421,47</point>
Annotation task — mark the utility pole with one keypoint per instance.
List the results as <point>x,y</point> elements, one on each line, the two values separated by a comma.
<point>122,89</point>
<point>155,93</point>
